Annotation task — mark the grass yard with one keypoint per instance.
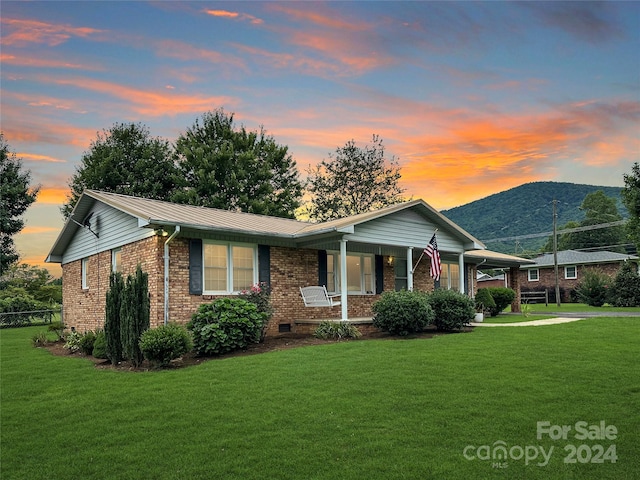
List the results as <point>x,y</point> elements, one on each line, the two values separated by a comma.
<point>392,409</point>
<point>577,307</point>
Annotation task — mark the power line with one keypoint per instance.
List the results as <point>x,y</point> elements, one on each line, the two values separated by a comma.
<point>560,232</point>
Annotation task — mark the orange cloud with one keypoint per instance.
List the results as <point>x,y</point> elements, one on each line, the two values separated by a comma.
<point>21,32</point>
<point>234,15</point>
<point>33,157</point>
<point>37,230</point>
<point>331,20</point>
<point>147,102</point>
<point>52,195</point>
<point>185,52</point>
<point>44,63</point>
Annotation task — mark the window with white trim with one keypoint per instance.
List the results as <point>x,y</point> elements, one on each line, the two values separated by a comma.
<point>533,274</point>
<point>570,272</point>
<point>360,273</point>
<point>229,267</point>
<point>116,260</point>
<point>84,272</point>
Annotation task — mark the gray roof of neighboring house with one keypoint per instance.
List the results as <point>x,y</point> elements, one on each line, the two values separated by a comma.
<point>574,257</point>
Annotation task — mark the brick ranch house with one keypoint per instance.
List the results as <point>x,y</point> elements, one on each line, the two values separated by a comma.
<point>195,254</point>
<point>572,264</point>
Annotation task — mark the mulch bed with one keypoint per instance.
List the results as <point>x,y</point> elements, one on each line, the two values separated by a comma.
<point>270,344</point>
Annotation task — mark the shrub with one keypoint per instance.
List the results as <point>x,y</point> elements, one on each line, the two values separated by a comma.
<point>86,342</point>
<point>225,325</point>
<point>484,300</point>
<point>402,313</point>
<point>58,329</point>
<point>100,345</point>
<point>72,341</point>
<point>503,297</point>
<point>337,330</point>
<point>113,342</point>
<point>39,339</point>
<point>452,310</point>
<point>134,315</point>
<point>260,295</point>
<point>625,290</point>
<point>594,288</point>
<point>165,343</point>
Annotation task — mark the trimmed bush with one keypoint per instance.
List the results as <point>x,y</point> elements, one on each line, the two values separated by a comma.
<point>594,287</point>
<point>625,290</point>
<point>336,330</point>
<point>100,345</point>
<point>86,342</point>
<point>165,343</point>
<point>452,310</point>
<point>225,325</point>
<point>402,313</point>
<point>484,300</point>
<point>503,297</point>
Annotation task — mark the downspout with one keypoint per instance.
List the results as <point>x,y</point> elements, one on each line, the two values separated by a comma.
<point>166,273</point>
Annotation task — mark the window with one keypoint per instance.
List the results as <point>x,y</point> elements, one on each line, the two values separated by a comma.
<point>570,272</point>
<point>450,276</point>
<point>533,274</point>
<point>84,272</point>
<point>116,260</point>
<point>229,267</point>
<point>360,273</point>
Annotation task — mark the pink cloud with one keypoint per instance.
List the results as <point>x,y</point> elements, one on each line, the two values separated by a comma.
<point>22,32</point>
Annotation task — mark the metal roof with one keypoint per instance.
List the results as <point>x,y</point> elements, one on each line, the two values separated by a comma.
<point>574,257</point>
<point>157,213</point>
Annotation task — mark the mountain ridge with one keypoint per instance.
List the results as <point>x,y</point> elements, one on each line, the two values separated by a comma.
<point>526,210</point>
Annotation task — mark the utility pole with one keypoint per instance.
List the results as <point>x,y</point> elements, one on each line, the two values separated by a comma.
<point>555,252</point>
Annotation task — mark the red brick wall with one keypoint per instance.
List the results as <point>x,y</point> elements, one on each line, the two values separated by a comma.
<point>547,279</point>
<point>290,269</point>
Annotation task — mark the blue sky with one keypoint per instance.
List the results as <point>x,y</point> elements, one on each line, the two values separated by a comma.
<point>472,98</point>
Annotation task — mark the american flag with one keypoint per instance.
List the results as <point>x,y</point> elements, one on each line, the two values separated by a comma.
<point>432,252</point>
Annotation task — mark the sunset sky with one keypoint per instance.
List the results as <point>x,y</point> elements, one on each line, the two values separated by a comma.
<point>472,98</point>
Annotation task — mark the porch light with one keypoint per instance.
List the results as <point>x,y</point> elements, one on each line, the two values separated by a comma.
<point>390,260</point>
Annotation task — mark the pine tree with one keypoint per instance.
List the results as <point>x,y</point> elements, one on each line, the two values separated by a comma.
<point>135,315</point>
<point>112,322</point>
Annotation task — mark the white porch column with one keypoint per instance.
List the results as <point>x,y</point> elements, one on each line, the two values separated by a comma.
<point>461,272</point>
<point>410,269</point>
<point>343,279</point>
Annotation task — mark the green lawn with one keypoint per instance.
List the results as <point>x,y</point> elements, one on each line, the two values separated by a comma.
<point>577,307</point>
<point>389,409</point>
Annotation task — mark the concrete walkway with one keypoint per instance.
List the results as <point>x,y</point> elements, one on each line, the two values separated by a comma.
<point>532,323</point>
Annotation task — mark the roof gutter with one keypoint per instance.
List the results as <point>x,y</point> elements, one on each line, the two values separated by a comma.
<point>166,273</point>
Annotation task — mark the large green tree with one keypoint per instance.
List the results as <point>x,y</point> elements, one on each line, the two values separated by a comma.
<point>16,195</point>
<point>353,180</point>
<point>125,159</point>
<point>228,167</point>
<point>631,200</point>
<point>598,209</point>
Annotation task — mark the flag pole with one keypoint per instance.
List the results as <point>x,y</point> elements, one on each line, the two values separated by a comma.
<point>421,255</point>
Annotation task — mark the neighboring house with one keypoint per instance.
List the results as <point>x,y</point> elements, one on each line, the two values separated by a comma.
<point>572,264</point>
<point>486,281</point>
<point>195,254</point>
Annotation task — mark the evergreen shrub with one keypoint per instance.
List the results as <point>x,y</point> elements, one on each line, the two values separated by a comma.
<point>165,343</point>
<point>100,345</point>
<point>503,297</point>
<point>593,289</point>
<point>452,310</point>
<point>402,313</point>
<point>625,290</point>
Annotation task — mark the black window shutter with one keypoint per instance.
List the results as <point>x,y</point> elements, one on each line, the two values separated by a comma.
<point>264,264</point>
<point>322,267</point>
<point>379,274</point>
<point>195,267</point>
